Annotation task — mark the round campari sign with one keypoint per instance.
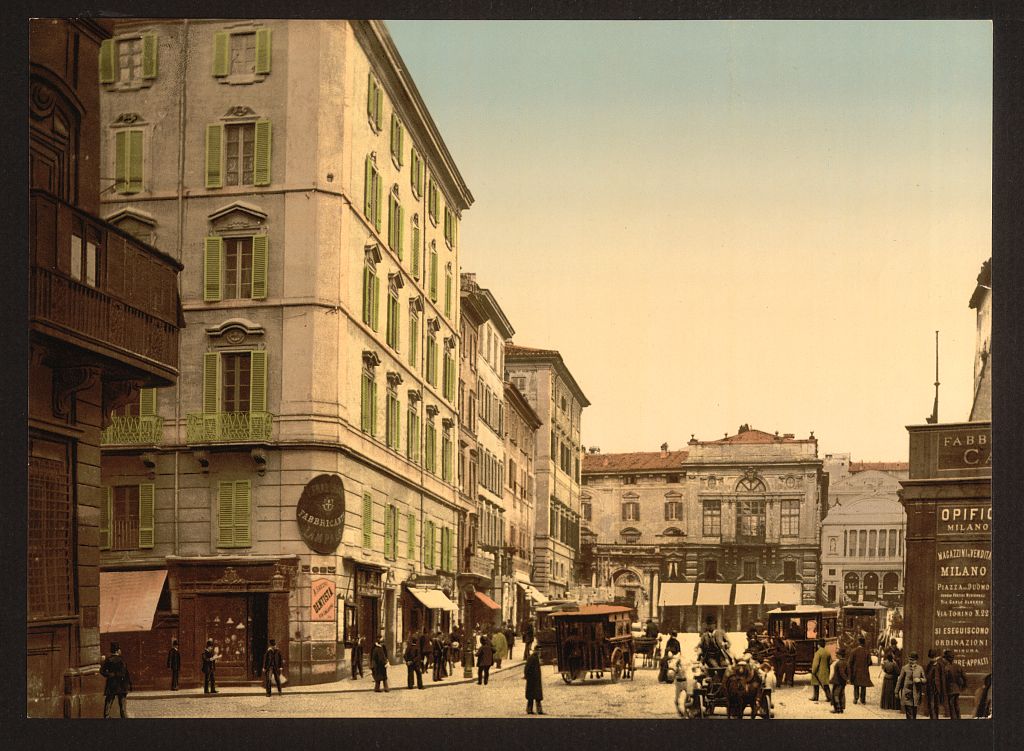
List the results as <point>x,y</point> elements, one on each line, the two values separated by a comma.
<point>321,513</point>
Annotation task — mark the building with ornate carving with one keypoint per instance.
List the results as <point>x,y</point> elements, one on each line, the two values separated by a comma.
<point>300,482</point>
<point>725,529</point>
<point>863,533</point>
<point>104,318</point>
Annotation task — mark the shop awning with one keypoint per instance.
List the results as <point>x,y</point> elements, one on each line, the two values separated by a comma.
<point>487,601</point>
<point>128,599</point>
<point>748,593</point>
<point>676,594</point>
<point>433,599</point>
<point>713,593</point>
<point>532,592</point>
<point>782,593</point>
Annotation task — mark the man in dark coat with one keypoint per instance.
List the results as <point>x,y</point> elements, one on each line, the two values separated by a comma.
<point>484,660</point>
<point>651,629</point>
<point>412,661</point>
<point>356,658</point>
<point>671,649</point>
<point>119,682</point>
<point>534,689</point>
<point>934,690</point>
<point>273,661</point>
<point>174,663</point>
<point>209,668</point>
<point>379,664</point>
<point>510,638</point>
<point>860,676</point>
<point>437,655</point>
<point>527,638</point>
<point>839,677</point>
<point>954,682</point>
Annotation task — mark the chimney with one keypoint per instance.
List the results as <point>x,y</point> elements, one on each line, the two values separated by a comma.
<point>595,450</point>
<point>664,450</point>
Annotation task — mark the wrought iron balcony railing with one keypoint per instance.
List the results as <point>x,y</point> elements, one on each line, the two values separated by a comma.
<point>229,427</point>
<point>145,430</point>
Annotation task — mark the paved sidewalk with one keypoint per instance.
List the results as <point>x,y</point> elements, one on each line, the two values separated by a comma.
<point>396,681</point>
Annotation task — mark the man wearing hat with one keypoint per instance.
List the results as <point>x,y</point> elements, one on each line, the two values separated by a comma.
<point>174,663</point>
<point>209,665</point>
<point>909,686</point>
<point>839,677</point>
<point>119,683</point>
<point>272,664</point>
<point>955,682</point>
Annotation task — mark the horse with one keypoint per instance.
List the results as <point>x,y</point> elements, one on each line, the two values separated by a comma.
<point>742,686</point>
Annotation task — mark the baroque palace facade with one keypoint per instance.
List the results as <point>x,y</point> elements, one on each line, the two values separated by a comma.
<point>724,529</point>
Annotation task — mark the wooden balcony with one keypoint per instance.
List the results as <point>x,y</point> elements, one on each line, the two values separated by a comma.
<point>145,430</point>
<point>229,427</point>
<point>103,292</point>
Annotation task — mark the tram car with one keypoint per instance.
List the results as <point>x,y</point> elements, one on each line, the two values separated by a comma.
<point>867,620</point>
<point>594,641</point>
<point>801,626</point>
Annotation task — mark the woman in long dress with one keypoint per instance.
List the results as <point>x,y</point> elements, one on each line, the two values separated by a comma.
<point>890,672</point>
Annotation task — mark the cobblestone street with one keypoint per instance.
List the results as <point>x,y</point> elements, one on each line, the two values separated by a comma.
<point>641,698</point>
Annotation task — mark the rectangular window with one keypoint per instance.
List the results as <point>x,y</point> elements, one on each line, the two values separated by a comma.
<point>862,543</point>
<point>128,160</point>
<point>393,319</point>
<point>872,543</point>
<point>234,514</point>
<point>430,449</point>
<point>432,201</point>
<point>239,153</point>
<point>129,59</point>
<point>433,273</point>
<point>710,570</point>
<point>368,403</point>
<point>789,570</point>
<point>374,103</point>
<point>630,511</point>
<point>428,545</point>
<point>84,259</point>
<point>396,221</point>
<point>446,457</point>
<point>130,516</point>
<point>397,140</point>
<point>712,526</point>
<point>237,276</point>
<point>235,268</point>
<point>749,569</point>
<point>391,533</point>
<point>882,534</point>
<point>242,52</point>
<point>432,360</point>
<point>449,377</point>
<point>236,382</point>
<point>415,250</point>
<point>414,337</point>
<point>372,193</point>
<point>750,518</point>
<point>448,293</point>
<point>367,521</point>
<point>393,421</point>
<point>673,511</point>
<point>790,519</point>
<point>450,227</point>
<point>892,543</point>
<point>585,508</point>
<point>371,296</point>
<point>410,537</point>
<point>416,172</point>
<point>412,434</point>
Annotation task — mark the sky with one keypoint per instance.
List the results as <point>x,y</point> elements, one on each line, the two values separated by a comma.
<point>727,222</point>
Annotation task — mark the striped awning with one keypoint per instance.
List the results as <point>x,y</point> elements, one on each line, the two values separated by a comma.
<point>676,594</point>
<point>782,593</point>
<point>433,599</point>
<point>713,593</point>
<point>748,593</point>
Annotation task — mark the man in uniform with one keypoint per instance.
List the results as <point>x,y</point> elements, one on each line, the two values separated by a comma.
<point>272,664</point>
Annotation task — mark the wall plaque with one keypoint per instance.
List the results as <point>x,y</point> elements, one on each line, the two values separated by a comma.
<point>321,513</point>
<point>964,448</point>
<point>963,519</point>
<point>322,600</point>
<point>963,602</point>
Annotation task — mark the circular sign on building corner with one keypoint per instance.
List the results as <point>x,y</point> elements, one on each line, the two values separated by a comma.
<point>321,513</point>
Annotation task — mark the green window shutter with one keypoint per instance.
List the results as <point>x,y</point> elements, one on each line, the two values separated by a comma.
<point>211,382</point>
<point>368,189</point>
<point>214,155</point>
<point>134,145</point>
<point>389,532</point>
<point>364,403</point>
<point>367,520</point>
<point>401,230</point>
<point>370,96</point>
<point>121,161</point>
<point>379,107</point>
<point>105,512</point>
<point>261,166</point>
<point>225,514</point>
<point>259,267</point>
<point>367,294</point>
<point>411,538</point>
<point>220,54</point>
<point>211,268</point>
<point>262,50</point>
<point>375,310</point>
<point>146,500</point>
<point>149,55</point>
<point>373,407</point>
<point>258,381</point>
<point>147,402</point>
<point>242,514</point>
<point>107,62</point>
<point>378,198</point>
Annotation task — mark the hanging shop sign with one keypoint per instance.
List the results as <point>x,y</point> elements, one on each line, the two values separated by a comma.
<point>321,513</point>
<point>323,600</point>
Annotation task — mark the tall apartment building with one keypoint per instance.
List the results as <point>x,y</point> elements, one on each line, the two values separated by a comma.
<point>103,322</point>
<point>299,482</point>
<point>543,378</point>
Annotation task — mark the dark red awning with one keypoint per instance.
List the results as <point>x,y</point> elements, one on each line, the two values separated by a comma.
<point>487,601</point>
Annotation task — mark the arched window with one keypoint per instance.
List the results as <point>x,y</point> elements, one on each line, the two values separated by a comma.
<point>851,585</point>
<point>871,587</point>
<point>630,535</point>
<point>751,483</point>
<point>890,582</point>
<point>673,532</point>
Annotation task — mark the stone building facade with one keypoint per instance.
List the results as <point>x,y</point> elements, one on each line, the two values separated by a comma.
<point>302,474</point>
<point>544,379</point>
<point>724,529</point>
<point>521,425</point>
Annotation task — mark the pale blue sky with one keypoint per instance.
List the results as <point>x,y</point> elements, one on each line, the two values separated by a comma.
<point>722,222</point>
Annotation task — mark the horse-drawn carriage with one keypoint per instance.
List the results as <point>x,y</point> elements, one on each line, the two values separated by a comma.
<point>701,688</point>
<point>867,620</point>
<point>545,630</point>
<point>799,628</point>
<point>594,640</point>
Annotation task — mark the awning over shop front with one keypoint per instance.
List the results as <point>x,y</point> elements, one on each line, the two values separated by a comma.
<point>782,593</point>
<point>676,594</point>
<point>532,592</point>
<point>433,599</point>
<point>487,601</point>
<point>128,599</point>
<point>713,593</point>
<point>748,593</point>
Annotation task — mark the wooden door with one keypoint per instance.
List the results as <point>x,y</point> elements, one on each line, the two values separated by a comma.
<point>226,620</point>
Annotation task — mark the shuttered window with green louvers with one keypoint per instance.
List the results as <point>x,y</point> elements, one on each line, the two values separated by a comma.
<point>128,59</point>
<point>238,153</point>
<point>374,103</point>
<point>410,537</point>
<point>397,141</point>
<point>368,403</point>
<point>372,193</point>
<point>367,520</point>
<point>128,160</point>
<point>235,267</point>
<point>396,221</point>
<point>241,55</point>
<point>234,514</point>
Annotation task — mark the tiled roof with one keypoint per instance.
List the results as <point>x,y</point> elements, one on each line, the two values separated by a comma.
<point>880,466</point>
<point>759,436</point>
<point>635,461</point>
<point>515,350</point>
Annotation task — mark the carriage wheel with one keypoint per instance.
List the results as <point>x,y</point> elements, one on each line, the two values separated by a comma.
<point>567,676</point>
<point>618,665</point>
<point>766,708</point>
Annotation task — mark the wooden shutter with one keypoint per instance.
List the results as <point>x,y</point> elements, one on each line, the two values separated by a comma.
<point>211,382</point>
<point>214,155</point>
<point>106,505</point>
<point>261,167</point>
<point>243,513</point>
<point>375,310</point>
<point>373,407</point>
<point>368,189</point>
<point>134,176</point>
<point>367,520</point>
<point>107,61</point>
<point>225,514</point>
<point>146,502</point>
<point>259,267</point>
<point>262,50</point>
<point>411,539</point>
<point>221,64</point>
<point>147,402</point>
<point>149,55</point>
<point>211,268</point>
<point>370,98</point>
<point>378,196</point>
<point>121,161</point>
<point>401,230</point>
<point>389,532</point>
<point>258,381</point>
<point>378,106</point>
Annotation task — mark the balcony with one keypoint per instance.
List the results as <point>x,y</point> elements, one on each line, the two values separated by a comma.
<point>229,427</point>
<point>146,430</point>
<point>100,290</point>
